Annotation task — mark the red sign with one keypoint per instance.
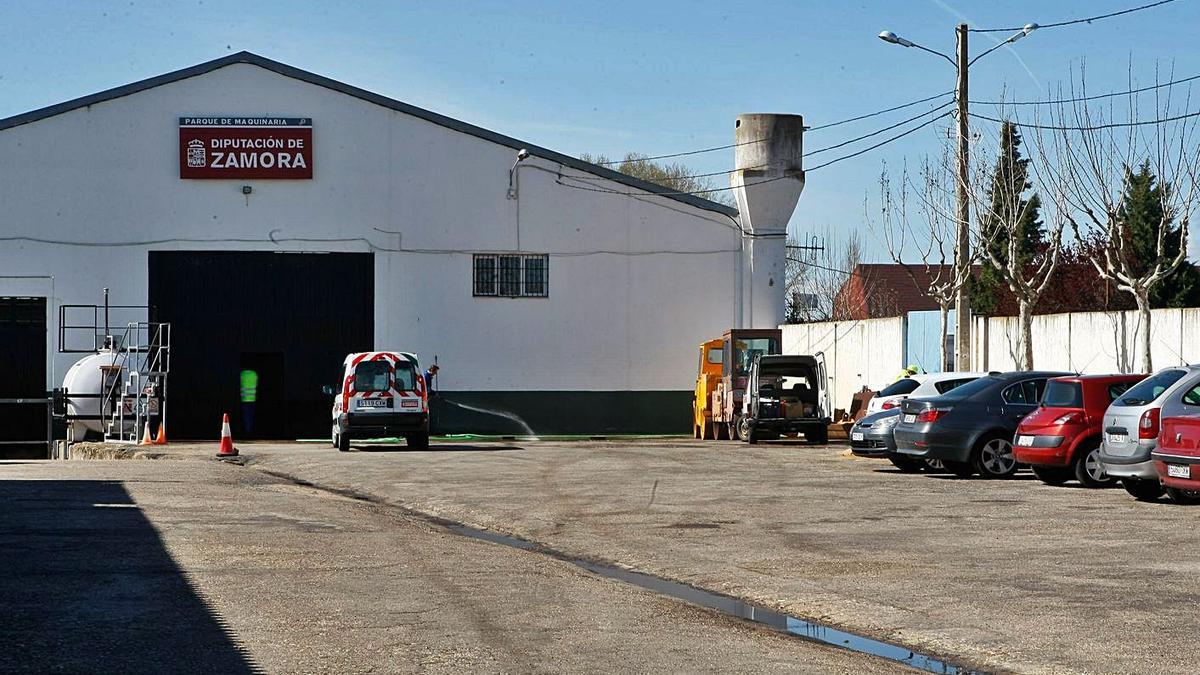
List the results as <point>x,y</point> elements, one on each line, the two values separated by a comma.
<point>245,147</point>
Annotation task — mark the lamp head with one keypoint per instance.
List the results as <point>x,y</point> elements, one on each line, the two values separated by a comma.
<point>1029,28</point>
<point>522,154</point>
<point>889,36</point>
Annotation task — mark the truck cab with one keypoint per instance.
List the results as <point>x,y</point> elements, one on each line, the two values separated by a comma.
<point>787,395</point>
<point>708,377</point>
<point>380,394</point>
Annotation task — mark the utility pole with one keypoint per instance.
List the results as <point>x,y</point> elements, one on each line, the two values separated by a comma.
<point>962,252</point>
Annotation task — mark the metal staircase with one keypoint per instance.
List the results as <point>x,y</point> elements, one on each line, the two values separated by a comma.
<point>135,382</point>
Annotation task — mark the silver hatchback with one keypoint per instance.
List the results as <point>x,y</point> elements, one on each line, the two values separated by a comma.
<point>1130,429</point>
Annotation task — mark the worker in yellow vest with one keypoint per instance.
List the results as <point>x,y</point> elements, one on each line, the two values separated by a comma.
<point>249,395</point>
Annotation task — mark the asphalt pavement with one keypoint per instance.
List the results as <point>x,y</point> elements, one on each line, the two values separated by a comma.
<point>198,566</point>
<point>1009,575</point>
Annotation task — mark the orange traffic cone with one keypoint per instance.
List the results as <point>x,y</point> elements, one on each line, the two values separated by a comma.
<point>146,439</point>
<point>227,449</point>
<point>162,434</point>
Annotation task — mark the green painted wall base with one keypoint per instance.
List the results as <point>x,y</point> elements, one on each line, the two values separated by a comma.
<point>562,412</point>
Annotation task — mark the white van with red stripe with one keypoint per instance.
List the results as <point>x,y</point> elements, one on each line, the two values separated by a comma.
<point>382,394</point>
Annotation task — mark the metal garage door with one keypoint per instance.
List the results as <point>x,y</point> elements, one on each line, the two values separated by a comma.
<point>23,365</point>
<point>289,317</point>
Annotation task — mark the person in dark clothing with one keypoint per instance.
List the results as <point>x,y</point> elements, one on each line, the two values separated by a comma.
<point>429,378</point>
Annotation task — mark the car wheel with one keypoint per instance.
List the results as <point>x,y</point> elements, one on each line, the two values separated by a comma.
<point>960,469</point>
<point>1183,496</point>
<point>994,458</point>
<point>1143,490</point>
<point>343,442</point>
<point>1052,475</point>
<point>817,436</point>
<point>935,466</point>
<point>907,464</point>
<point>418,440</point>
<point>740,429</point>
<point>1088,469</point>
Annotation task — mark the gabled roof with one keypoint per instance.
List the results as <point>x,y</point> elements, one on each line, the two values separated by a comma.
<point>371,97</point>
<point>881,290</point>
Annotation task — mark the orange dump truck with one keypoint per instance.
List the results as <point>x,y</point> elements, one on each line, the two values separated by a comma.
<point>721,381</point>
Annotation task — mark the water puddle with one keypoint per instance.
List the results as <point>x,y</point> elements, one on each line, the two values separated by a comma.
<point>791,625</point>
<point>498,413</point>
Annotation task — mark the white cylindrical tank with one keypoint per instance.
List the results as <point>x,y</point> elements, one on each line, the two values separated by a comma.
<point>767,184</point>
<point>84,383</point>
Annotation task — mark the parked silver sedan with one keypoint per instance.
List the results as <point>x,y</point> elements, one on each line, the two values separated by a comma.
<point>1130,429</point>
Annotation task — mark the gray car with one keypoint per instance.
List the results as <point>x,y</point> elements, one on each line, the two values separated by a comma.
<point>871,436</point>
<point>1131,428</point>
<point>971,428</point>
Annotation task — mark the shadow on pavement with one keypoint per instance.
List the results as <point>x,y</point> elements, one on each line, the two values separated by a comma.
<point>86,585</point>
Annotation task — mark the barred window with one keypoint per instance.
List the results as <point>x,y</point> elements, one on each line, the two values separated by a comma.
<point>508,275</point>
<point>485,275</point>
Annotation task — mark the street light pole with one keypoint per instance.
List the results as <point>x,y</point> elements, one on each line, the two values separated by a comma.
<point>962,249</point>
<point>962,258</point>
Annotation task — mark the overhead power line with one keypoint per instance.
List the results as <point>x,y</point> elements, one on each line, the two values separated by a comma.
<point>878,131</point>
<point>879,112</point>
<point>879,144</point>
<point>1072,22</point>
<point>1098,127</point>
<point>760,140</point>
<point>679,154</point>
<point>765,180</point>
<point>647,193</point>
<point>1091,98</point>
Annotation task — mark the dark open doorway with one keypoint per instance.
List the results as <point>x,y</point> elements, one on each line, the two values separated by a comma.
<point>291,317</point>
<point>23,369</point>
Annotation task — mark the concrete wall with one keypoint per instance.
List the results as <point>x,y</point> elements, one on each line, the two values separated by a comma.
<point>1090,342</point>
<point>635,283</point>
<point>857,353</point>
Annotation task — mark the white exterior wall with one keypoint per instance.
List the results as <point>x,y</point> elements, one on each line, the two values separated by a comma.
<point>1090,342</point>
<point>109,173</point>
<point>857,353</point>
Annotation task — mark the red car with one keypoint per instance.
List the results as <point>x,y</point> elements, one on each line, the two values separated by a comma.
<point>1177,458</point>
<point>1061,439</point>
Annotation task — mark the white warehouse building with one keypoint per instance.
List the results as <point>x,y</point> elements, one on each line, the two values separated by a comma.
<point>279,219</point>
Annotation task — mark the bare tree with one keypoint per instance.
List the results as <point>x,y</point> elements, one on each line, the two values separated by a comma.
<point>818,283</point>
<point>676,176</point>
<point>1005,216</point>
<point>1093,151</point>
<point>932,239</point>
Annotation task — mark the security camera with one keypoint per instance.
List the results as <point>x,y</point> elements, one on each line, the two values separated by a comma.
<point>522,154</point>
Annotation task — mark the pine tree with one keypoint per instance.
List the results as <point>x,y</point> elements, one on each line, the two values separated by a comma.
<point>1142,209</point>
<point>1011,177</point>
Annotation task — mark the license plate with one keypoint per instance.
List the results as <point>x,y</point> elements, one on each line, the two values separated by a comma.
<point>856,436</point>
<point>1179,471</point>
<point>910,418</point>
<point>1119,439</point>
<point>372,403</point>
<point>1025,441</point>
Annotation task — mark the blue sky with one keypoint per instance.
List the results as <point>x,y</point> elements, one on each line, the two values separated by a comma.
<point>609,77</point>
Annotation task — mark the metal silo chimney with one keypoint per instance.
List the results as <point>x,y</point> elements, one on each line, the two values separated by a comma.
<point>767,182</point>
